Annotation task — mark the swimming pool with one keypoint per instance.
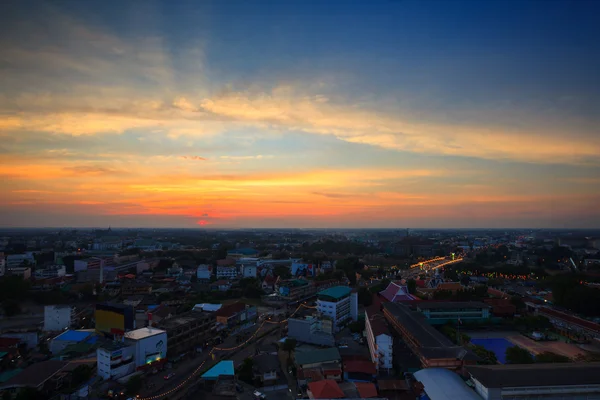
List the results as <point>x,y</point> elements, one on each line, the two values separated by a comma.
<point>497,345</point>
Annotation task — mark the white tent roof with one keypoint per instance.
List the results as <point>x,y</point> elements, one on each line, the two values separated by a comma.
<point>442,384</point>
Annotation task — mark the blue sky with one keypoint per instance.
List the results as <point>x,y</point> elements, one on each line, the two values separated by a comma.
<point>301,113</point>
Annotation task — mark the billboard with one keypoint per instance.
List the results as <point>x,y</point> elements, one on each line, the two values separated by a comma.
<point>114,319</point>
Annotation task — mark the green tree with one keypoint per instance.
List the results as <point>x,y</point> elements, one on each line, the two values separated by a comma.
<point>365,297</point>
<point>282,272</point>
<point>245,373</point>
<point>518,302</point>
<point>488,357</point>
<point>357,326</point>
<point>289,345</point>
<point>11,308</point>
<point>517,355</point>
<point>549,357</point>
<point>133,385</point>
<point>411,284</point>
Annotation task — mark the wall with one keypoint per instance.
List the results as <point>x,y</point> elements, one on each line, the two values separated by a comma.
<point>113,364</point>
<point>151,348</point>
<point>57,318</point>
<point>301,331</point>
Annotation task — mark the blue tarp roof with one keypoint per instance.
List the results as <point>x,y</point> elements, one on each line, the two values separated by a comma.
<point>74,336</point>
<point>222,368</point>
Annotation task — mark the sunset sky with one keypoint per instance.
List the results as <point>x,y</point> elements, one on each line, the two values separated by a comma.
<point>226,114</point>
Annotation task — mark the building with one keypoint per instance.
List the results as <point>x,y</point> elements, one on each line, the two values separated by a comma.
<point>47,377</point>
<point>68,338</point>
<point>396,292</point>
<point>336,303</point>
<point>58,318</point>
<point>567,381</point>
<point>224,272</point>
<point>2,264</point>
<point>318,358</point>
<point>24,272</point>
<point>311,330</point>
<point>413,246</point>
<point>115,360</point>
<point>570,325</point>
<point>136,288</point>
<point>249,271</point>
<point>442,384</point>
<point>359,371</point>
<point>204,273</point>
<point>54,271</point>
<point>294,290</point>
<point>114,319</point>
<point>150,346</point>
<point>234,314</point>
<point>325,389</point>
<point>93,263</point>
<point>238,253</point>
<point>220,285</point>
<point>189,331</point>
<point>440,313</point>
<point>379,338</point>
<point>266,368</point>
<point>303,269</point>
<point>432,347</point>
<point>18,260</point>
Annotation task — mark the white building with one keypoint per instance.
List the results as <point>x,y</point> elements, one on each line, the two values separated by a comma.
<point>24,272</point>
<point>379,339</point>
<point>57,318</point>
<point>337,303</point>
<point>249,271</point>
<point>204,272</point>
<point>150,345</point>
<point>54,271</point>
<point>115,360</point>
<point>227,272</point>
<point>15,260</point>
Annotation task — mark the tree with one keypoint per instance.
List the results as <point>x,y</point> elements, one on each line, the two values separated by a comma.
<point>81,374</point>
<point>11,308</point>
<point>488,357</point>
<point>411,284</point>
<point>357,326</point>
<point>289,345</point>
<point>133,385</point>
<point>517,355</point>
<point>245,373</point>
<point>282,272</point>
<point>365,297</point>
<point>549,357</point>
<point>518,302</point>
<point>29,393</point>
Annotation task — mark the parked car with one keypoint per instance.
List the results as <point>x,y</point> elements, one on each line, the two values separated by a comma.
<point>169,376</point>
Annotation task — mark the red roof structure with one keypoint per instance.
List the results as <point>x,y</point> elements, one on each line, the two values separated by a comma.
<point>326,389</point>
<point>230,310</point>
<point>365,367</point>
<point>592,326</point>
<point>396,293</point>
<point>366,390</point>
<point>377,321</point>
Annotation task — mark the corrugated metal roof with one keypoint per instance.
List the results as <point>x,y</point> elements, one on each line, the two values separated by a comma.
<point>443,384</point>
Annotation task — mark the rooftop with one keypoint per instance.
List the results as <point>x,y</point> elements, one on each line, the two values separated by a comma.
<point>231,309</point>
<point>336,292</point>
<point>523,375</point>
<point>223,368</point>
<point>75,336</point>
<point>317,356</point>
<point>366,390</point>
<point>143,333</point>
<point>36,374</point>
<point>443,384</point>
<point>450,305</point>
<point>326,389</point>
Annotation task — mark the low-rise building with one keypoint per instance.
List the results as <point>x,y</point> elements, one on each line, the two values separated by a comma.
<point>204,273</point>
<point>427,343</point>
<point>189,331</point>
<point>220,285</point>
<point>312,330</point>
<point>249,271</point>
<point>234,314</point>
<point>379,338</point>
<point>54,271</point>
<point>536,381</point>
<point>225,272</point>
<point>71,337</point>
<point>136,288</point>
<point>58,317</point>
<point>442,312</point>
<point>46,377</point>
<point>18,260</point>
<point>24,272</point>
<point>266,368</point>
<point>115,360</point>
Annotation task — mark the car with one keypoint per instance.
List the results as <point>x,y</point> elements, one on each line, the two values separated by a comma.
<point>169,376</point>
<point>258,395</point>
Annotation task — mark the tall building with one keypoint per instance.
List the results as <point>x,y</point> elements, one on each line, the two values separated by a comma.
<point>336,303</point>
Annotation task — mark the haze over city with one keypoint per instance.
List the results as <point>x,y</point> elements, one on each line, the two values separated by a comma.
<point>226,114</point>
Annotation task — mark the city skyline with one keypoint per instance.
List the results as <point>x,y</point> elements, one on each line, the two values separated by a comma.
<point>378,114</point>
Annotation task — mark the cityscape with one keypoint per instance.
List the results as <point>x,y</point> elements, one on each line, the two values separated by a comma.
<point>299,199</point>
